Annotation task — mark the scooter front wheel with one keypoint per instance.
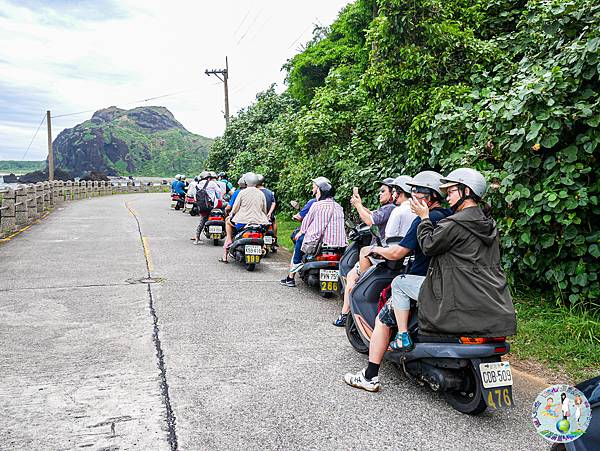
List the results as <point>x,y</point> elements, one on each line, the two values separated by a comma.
<point>354,336</point>
<point>470,399</point>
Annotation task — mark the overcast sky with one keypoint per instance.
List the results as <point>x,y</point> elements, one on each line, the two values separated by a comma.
<point>75,55</point>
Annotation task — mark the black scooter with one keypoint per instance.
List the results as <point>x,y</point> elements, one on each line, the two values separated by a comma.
<point>322,270</point>
<point>214,226</point>
<point>248,245</point>
<point>359,236</point>
<point>177,201</point>
<point>467,370</point>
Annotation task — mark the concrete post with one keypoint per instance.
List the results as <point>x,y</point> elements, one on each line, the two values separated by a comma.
<point>90,189</point>
<point>96,190</point>
<point>39,196</point>
<point>68,193</point>
<point>21,205</point>
<point>60,189</point>
<point>130,187</point>
<point>7,211</point>
<point>103,188</point>
<point>47,195</point>
<point>31,202</point>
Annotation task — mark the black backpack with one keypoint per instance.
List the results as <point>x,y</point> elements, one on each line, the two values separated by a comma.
<point>203,199</point>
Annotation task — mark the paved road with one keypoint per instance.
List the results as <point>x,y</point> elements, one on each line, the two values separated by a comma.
<point>208,357</point>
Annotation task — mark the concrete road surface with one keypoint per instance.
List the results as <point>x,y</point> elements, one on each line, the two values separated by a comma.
<point>207,356</point>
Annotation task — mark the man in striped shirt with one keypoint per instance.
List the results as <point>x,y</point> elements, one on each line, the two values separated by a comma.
<point>323,223</point>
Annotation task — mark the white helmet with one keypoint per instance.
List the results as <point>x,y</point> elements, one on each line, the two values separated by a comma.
<point>178,177</point>
<point>242,181</point>
<point>468,177</point>
<point>182,177</point>
<point>251,179</point>
<point>427,179</point>
<point>323,183</point>
<point>402,182</point>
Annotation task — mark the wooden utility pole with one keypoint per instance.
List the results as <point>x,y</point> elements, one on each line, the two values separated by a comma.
<point>225,73</point>
<point>50,152</point>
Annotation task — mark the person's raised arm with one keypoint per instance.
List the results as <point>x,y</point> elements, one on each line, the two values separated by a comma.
<point>438,239</point>
<point>363,212</point>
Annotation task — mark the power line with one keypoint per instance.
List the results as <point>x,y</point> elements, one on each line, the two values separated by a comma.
<point>129,103</point>
<point>34,135</point>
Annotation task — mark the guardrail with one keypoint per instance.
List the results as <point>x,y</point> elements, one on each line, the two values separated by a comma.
<point>27,203</point>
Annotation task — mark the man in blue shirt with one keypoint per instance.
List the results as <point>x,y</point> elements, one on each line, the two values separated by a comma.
<point>174,182</point>
<point>425,189</point>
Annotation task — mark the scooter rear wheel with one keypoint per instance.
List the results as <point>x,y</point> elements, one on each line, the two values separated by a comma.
<point>469,401</point>
<point>215,242</point>
<point>354,336</point>
<point>250,267</point>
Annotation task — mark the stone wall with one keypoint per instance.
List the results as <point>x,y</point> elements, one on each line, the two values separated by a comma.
<point>26,203</point>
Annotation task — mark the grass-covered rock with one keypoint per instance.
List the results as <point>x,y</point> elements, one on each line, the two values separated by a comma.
<point>143,141</point>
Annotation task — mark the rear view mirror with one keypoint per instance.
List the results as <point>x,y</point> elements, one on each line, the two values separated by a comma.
<point>349,224</point>
<point>295,205</point>
<point>375,232</point>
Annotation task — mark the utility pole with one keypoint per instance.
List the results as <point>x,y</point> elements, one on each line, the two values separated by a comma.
<point>225,74</point>
<point>50,152</point>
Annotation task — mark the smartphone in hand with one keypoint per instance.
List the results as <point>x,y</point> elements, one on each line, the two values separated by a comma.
<point>355,190</point>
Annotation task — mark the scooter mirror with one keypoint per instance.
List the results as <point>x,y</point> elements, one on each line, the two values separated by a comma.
<point>375,232</point>
<point>295,205</point>
<point>349,224</point>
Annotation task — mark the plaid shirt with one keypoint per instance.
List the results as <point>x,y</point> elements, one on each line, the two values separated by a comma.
<point>325,218</point>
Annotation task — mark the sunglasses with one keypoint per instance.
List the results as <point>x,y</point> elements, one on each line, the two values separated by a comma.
<point>420,190</point>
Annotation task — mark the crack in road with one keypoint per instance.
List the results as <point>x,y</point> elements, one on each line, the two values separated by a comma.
<point>164,385</point>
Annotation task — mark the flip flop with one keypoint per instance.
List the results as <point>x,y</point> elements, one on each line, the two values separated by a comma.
<point>223,261</point>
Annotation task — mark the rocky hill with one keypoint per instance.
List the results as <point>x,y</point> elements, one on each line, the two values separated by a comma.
<point>142,141</point>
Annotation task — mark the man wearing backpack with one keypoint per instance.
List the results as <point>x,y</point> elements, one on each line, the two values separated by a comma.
<point>208,196</point>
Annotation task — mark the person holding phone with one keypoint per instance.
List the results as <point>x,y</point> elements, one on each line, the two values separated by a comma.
<point>378,217</point>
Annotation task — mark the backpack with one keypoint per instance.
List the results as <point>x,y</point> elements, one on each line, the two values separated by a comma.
<point>203,201</point>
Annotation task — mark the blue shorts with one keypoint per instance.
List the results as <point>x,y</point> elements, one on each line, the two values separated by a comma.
<point>238,226</point>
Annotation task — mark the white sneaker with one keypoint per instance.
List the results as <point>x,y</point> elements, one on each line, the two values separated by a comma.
<point>295,268</point>
<point>359,380</point>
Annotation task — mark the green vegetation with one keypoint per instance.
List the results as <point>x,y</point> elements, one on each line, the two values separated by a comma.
<point>563,338</point>
<point>21,167</point>
<point>145,141</point>
<point>511,88</point>
<point>398,86</point>
<point>285,227</point>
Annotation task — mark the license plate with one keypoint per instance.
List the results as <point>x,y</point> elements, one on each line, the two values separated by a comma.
<point>215,236</point>
<point>252,249</point>
<point>189,206</point>
<point>252,259</point>
<point>329,275</point>
<point>215,229</point>
<point>173,203</point>
<point>329,287</point>
<point>268,239</point>
<point>495,374</point>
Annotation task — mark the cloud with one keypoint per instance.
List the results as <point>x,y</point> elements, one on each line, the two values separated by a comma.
<point>69,56</point>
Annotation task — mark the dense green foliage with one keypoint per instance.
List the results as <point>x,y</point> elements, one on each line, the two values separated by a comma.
<point>21,167</point>
<point>399,86</point>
